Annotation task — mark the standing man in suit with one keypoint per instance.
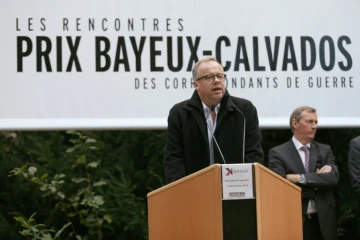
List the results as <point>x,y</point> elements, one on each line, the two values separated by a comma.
<point>310,165</point>
<point>354,172</point>
<point>189,143</point>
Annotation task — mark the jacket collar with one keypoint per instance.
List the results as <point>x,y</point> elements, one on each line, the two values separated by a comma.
<point>194,106</point>
<point>195,102</point>
<point>314,153</point>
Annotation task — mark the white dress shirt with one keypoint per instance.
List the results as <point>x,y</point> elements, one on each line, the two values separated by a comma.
<point>212,126</point>
<point>298,146</point>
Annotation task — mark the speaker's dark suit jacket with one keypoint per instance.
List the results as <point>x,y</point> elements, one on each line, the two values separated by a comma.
<point>187,144</point>
<point>285,159</point>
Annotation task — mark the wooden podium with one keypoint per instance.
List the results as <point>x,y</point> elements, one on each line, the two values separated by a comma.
<point>192,208</point>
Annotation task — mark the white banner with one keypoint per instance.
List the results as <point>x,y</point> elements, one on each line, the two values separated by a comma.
<point>123,64</point>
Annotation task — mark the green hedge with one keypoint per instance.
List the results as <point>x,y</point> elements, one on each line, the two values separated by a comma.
<point>131,165</point>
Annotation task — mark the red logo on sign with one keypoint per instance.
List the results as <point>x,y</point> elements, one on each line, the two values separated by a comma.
<point>229,171</point>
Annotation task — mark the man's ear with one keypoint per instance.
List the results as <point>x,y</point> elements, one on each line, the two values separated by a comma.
<point>294,123</point>
<point>196,84</point>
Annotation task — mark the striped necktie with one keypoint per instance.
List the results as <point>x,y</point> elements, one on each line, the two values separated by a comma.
<point>213,116</point>
<point>307,159</point>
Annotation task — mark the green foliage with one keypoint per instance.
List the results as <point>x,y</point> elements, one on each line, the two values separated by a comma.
<point>77,183</point>
<point>38,231</point>
<point>115,170</point>
<point>132,208</point>
<point>85,206</point>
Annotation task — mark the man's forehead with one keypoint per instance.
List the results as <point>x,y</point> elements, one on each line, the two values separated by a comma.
<point>308,115</point>
<point>209,64</point>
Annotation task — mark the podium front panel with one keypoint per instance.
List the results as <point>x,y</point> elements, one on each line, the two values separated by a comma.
<point>239,219</point>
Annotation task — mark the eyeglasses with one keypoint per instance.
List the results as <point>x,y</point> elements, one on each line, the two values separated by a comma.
<point>211,78</point>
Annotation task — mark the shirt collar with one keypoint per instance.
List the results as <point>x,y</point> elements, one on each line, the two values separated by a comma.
<point>298,144</point>
<point>206,109</point>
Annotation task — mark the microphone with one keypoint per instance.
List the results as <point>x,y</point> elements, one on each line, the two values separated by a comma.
<point>212,108</point>
<point>244,128</point>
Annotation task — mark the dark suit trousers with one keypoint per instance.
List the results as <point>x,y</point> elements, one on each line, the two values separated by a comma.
<point>357,218</point>
<point>311,228</point>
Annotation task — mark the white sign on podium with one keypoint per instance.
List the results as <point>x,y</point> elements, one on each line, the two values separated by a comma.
<point>237,181</point>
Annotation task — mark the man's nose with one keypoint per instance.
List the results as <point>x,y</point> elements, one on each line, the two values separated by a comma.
<point>216,80</point>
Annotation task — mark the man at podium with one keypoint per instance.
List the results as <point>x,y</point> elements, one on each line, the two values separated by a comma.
<point>211,126</point>
<point>310,165</point>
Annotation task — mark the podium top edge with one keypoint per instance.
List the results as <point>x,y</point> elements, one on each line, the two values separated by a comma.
<point>184,179</point>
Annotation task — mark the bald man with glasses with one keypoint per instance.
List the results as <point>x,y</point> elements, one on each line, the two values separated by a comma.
<point>211,110</point>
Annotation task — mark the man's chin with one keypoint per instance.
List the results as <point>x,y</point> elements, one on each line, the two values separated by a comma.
<point>311,137</point>
<point>218,95</point>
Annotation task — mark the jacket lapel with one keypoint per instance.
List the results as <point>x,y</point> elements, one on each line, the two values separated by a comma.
<point>225,106</point>
<point>295,157</point>
<point>194,106</point>
<point>201,122</point>
<point>313,158</point>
